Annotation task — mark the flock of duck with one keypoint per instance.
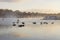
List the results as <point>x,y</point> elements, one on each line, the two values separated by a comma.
<point>23,23</point>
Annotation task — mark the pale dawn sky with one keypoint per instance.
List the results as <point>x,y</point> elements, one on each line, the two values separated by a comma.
<point>31,5</point>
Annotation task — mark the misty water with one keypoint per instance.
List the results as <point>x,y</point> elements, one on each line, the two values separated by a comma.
<point>31,31</point>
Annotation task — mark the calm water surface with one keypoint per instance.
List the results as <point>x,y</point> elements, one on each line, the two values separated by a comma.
<point>31,32</point>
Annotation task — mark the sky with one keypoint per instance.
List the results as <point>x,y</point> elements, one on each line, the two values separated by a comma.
<point>31,5</point>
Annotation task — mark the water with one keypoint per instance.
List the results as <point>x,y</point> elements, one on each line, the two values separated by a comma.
<point>31,31</point>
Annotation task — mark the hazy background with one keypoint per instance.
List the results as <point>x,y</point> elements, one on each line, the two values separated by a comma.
<point>31,5</point>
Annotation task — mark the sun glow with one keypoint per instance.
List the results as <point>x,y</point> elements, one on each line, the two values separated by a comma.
<point>37,5</point>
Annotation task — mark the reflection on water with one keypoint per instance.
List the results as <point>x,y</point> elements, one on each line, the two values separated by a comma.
<point>32,32</point>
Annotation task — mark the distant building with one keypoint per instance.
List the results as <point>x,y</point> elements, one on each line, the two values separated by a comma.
<point>51,18</point>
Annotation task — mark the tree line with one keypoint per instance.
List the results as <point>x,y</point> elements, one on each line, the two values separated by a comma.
<point>6,13</point>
